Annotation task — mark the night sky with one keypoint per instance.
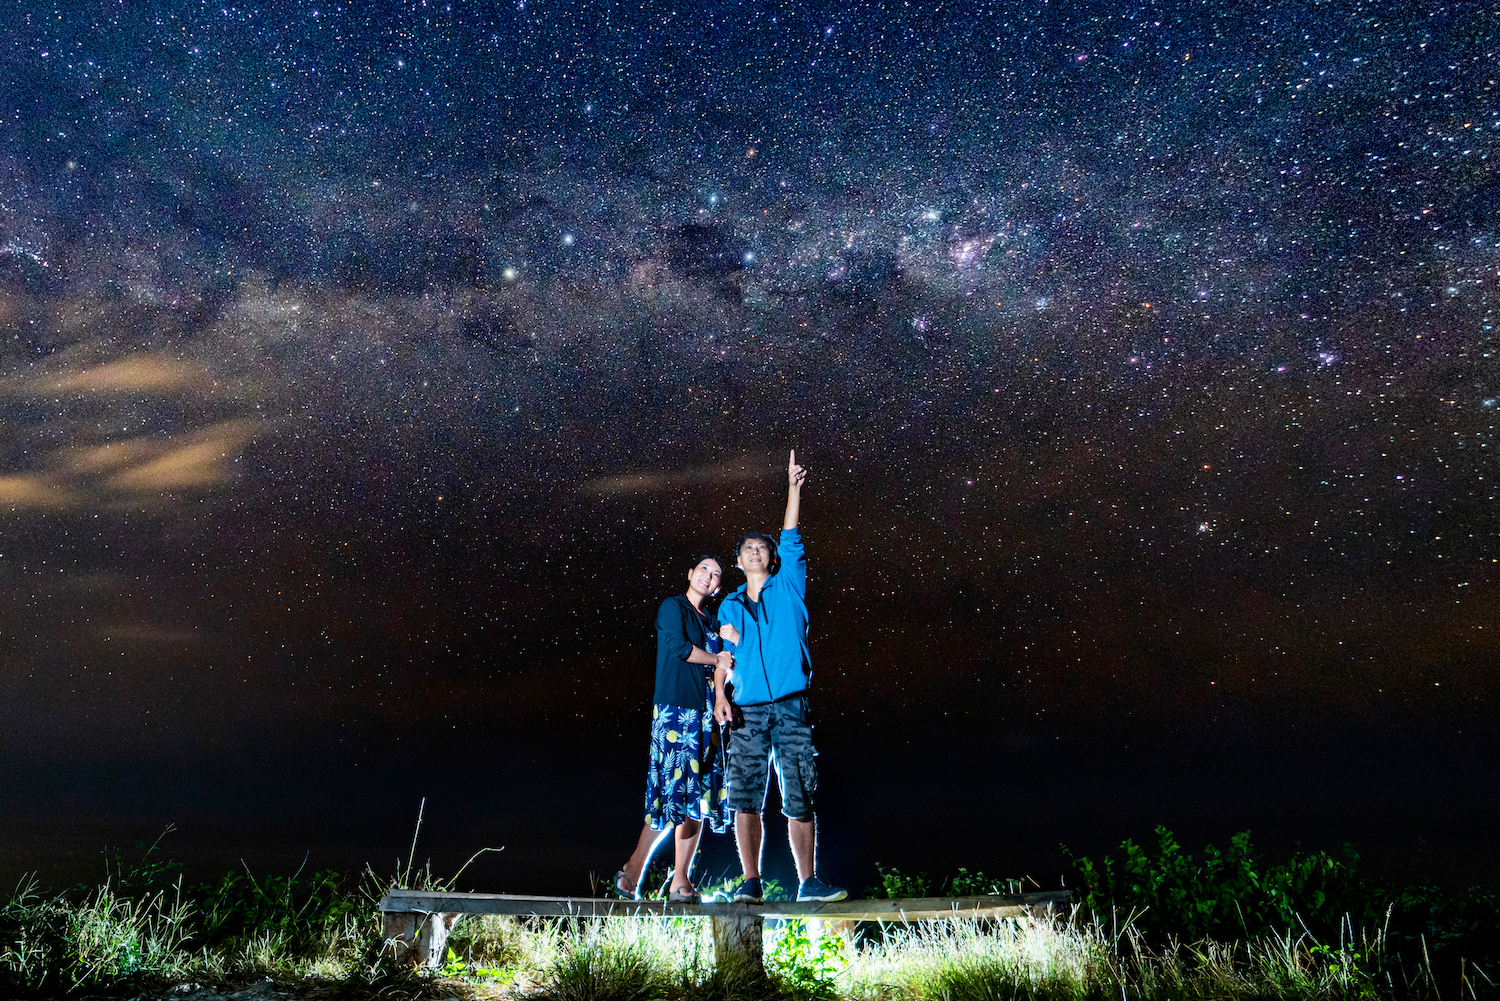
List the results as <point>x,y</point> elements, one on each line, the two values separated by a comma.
<point>369,373</point>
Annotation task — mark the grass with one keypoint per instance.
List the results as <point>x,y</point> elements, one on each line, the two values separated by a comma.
<point>1071,961</point>
<point>104,941</point>
<point>1063,960</point>
<point>145,928</point>
<point>1154,927</point>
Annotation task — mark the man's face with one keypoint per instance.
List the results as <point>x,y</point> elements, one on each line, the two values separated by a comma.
<point>704,578</point>
<point>755,556</point>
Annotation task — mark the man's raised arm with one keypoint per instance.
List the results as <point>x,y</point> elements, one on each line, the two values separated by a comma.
<point>795,474</point>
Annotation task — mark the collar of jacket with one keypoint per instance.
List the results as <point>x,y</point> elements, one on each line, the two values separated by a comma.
<point>742,593</point>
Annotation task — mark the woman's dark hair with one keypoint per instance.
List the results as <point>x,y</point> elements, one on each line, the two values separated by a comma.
<point>707,556</point>
<point>763,537</point>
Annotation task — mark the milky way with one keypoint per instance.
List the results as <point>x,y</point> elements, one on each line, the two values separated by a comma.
<point>366,373</point>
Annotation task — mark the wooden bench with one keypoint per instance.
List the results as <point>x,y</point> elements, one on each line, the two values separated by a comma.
<point>417,922</point>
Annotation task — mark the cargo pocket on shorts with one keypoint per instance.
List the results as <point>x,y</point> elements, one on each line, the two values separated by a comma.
<point>799,780</point>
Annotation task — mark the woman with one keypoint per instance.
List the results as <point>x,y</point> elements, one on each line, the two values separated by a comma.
<point>685,781</point>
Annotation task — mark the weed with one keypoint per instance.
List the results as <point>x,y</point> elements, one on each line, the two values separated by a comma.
<point>894,883</point>
<point>806,967</point>
<point>1429,940</point>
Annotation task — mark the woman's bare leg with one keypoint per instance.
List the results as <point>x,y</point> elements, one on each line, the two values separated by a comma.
<point>686,836</point>
<point>642,855</point>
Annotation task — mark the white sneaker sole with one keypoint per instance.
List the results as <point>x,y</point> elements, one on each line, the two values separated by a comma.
<point>830,898</point>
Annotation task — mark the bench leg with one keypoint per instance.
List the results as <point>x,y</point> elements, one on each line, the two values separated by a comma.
<point>399,929</point>
<point>420,939</point>
<point>738,944</point>
<point>432,939</point>
<point>1044,911</point>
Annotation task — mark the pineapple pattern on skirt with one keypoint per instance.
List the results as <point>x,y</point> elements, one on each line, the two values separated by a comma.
<point>686,776</point>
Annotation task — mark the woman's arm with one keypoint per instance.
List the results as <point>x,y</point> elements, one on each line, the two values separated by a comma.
<point>699,655</point>
<point>723,712</point>
<point>672,631</point>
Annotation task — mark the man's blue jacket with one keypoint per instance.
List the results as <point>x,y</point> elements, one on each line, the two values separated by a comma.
<point>771,661</point>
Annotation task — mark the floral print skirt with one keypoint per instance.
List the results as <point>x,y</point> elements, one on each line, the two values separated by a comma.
<point>686,776</point>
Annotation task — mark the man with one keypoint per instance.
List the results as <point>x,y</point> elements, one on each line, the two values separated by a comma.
<point>766,619</point>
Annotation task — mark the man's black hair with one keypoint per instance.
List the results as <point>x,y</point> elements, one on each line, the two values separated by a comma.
<point>763,537</point>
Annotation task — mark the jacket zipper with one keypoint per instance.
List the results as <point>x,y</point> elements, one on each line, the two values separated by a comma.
<point>760,647</point>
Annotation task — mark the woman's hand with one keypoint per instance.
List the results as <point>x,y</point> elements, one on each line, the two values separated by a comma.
<point>724,660</point>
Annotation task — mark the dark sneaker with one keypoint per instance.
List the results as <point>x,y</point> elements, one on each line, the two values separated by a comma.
<point>749,892</point>
<point>815,890</point>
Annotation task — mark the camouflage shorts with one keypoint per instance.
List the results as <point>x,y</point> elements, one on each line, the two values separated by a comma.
<point>779,732</point>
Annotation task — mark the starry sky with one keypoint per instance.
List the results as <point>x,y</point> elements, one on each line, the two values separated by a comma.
<point>369,372</point>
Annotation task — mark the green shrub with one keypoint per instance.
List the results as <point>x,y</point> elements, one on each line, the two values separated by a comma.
<point>895,884</point>
<point>805,968</point>
<point>1228,895</point>
<point>301,912</point>
<point>1319,899</point>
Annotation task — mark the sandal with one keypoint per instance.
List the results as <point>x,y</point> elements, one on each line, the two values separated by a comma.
<point>619,885</point>
<point>688,896</point>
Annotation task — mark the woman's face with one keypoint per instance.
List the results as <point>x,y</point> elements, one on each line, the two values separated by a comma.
<point>704,578</point>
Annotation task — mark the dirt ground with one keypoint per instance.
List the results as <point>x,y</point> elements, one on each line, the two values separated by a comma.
<point>266,990</point>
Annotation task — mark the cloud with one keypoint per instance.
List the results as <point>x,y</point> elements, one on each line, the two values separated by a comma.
<point>198,460</point>
<point>142,632</point>
<point>33,492</point>
<point>99,459</point>
<point>138,374</point>
<point>734,471</point>
<point>132,469</point>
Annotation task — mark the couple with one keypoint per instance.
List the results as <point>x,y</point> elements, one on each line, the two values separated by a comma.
<point>763,625</point>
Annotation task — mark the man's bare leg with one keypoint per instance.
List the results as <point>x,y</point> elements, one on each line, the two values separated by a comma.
<point>686,836</point>
<point>803,834</point>
<point>749,833</point>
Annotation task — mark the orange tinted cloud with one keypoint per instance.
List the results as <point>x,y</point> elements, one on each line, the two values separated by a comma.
<point>132,468</point>
<point>138,374</point>
<point>197,460</point>
<point>33,492</point>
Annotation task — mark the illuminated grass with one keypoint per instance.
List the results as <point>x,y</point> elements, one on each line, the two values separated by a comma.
<point>116,938</point>
<point>672,960</point>
<point>1064,961</point>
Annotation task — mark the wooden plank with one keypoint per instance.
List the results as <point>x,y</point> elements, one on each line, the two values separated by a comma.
<point>905,909</point>
<point>925,908</point>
